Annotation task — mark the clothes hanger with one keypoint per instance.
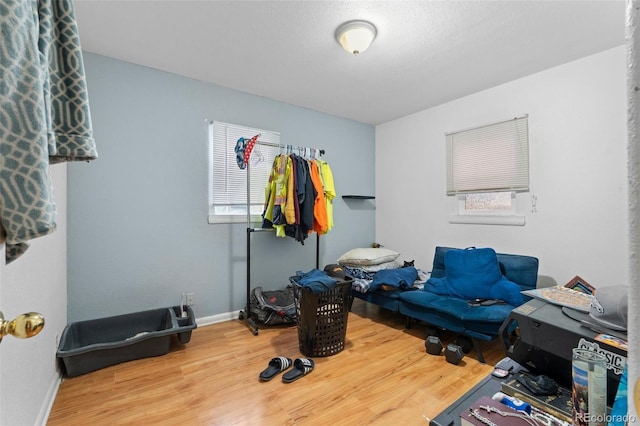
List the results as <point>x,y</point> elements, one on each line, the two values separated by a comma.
<point>256,156</point>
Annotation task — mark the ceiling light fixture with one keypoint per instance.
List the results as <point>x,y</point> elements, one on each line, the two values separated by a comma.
<point>356,36</point>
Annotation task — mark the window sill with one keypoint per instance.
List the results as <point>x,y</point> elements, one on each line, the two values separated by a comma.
<point>216,219</point>
<point>488,220</point>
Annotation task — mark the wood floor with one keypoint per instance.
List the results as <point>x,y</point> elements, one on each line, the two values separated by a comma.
<point>383,377</point>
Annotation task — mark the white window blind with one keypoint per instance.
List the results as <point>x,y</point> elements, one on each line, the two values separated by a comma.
<point>227,181</point>
<point>490,158</point>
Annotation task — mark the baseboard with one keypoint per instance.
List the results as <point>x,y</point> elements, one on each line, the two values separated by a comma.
<point>213,319</point>
<point>49,399</point>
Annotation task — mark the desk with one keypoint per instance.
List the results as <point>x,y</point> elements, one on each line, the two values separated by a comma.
<point>546,339</point>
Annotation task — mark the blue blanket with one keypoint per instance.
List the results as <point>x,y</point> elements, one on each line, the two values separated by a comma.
<point>400,278</point>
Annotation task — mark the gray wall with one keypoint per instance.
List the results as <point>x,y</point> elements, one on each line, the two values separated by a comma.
<point>137,218</point>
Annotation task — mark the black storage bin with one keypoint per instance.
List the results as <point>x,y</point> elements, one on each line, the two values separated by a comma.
<point>322,318</point>
<point>90,345</point>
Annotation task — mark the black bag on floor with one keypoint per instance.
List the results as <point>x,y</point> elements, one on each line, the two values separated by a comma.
<point>273,307</point>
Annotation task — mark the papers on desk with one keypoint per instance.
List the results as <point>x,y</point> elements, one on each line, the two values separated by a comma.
<point>562,296</point>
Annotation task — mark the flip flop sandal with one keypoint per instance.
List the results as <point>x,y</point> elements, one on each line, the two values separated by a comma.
<point>301,367</point>
<point>276,366</point>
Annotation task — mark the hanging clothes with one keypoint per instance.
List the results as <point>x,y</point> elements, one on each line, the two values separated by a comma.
<point>320,222</point>
<point>276,195</point>
<point>303,191</point>
<point>298,197</point>
<point>292,228</point>
<point>306,206</point>
<point>291,201</point>
<point>329,190</point>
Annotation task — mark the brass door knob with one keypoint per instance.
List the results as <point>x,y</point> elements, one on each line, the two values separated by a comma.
<point>23,326</point>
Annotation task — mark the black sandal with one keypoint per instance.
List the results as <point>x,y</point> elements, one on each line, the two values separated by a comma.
<point>276,366</point>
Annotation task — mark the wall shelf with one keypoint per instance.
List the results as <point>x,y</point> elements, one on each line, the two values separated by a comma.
<point>358,197</point>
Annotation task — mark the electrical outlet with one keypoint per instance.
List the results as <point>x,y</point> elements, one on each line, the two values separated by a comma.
<point>190,299</point>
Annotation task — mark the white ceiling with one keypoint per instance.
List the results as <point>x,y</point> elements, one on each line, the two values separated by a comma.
<point>426,52</point>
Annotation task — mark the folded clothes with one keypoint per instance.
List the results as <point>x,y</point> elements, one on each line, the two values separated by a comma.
<point>361,285</point>
<point>316,280</point>
<point>359,273</point>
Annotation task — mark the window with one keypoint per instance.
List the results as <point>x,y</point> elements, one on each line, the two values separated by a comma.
<point>490,158</point>
<point>486,202</point>
<point>228,182</point>
<point>486,166</point>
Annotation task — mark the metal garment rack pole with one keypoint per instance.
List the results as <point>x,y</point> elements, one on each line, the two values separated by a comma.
<point>246,314</point>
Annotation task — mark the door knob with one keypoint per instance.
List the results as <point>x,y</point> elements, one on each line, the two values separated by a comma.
<point>23,326</point>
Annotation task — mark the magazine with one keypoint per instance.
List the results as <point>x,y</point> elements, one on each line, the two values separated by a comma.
<point>558,405</point>
<point>612,340</point>
<point>620,412</point>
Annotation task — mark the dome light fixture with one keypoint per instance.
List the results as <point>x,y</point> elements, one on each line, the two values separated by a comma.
<point>356,36</point>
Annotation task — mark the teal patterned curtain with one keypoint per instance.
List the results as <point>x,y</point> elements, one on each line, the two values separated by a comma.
<point>44,114</point>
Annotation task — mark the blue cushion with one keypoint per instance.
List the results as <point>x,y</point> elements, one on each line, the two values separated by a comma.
<point>401,278</point>
<point>472,270</point>
<point>422,298</point>
<point>502,290</point>
<point>474,274</point>
<point>458,308</point>
<point>492,314</point>
<point>508,291</point>
<point>521,269</point>
<point>449,305</point>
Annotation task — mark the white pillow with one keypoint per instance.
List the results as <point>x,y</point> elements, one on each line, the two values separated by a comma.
<point>367,256</point>
<point>394,264</point>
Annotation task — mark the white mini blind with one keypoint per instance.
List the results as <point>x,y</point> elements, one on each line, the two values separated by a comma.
<point>227,181</point>
<point>490,158</point>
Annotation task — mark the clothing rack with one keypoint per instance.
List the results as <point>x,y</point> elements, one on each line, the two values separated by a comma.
<point>246,314</point>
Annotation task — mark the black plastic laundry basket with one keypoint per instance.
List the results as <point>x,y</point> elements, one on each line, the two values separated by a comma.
<point>322,318</point>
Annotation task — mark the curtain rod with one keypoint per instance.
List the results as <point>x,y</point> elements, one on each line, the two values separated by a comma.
<point>488,124</point>
<point>276,145</point>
